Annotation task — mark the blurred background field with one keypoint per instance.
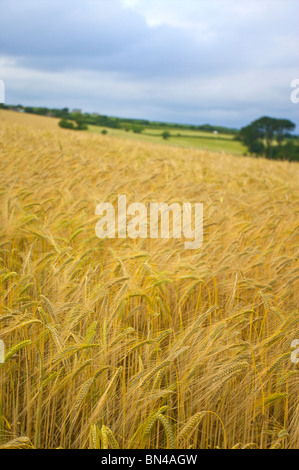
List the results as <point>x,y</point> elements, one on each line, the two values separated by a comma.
<point>186,138</point>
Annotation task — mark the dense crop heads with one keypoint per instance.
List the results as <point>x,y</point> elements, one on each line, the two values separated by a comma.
<point>141,343</point>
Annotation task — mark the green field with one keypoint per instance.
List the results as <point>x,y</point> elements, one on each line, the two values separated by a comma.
<point>180,138</point>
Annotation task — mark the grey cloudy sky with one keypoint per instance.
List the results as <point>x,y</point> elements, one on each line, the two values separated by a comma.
<point>222,62</point>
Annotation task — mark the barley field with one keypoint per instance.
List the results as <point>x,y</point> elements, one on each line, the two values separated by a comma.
<point>133,344</point>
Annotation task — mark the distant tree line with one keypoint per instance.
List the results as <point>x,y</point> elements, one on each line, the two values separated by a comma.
<point>267,136</point>
<point>70,120</point>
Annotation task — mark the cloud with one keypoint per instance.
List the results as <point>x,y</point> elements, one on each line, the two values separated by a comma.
<point>221,61</point>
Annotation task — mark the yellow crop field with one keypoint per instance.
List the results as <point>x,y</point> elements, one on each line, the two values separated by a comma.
<point>141,343</point>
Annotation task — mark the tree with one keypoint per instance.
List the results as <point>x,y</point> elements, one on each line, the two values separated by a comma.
<point>266,126</point>
<point>66,124</point>
<point>259,136</point>
<point>165,135</point>
<point>250,136</point>
<point>289,151</point>
<point>282,127</point>
<point>79,119</point>
<point>137,129</point>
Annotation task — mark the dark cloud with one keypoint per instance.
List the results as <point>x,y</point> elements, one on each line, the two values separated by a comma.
<point>194,62</point>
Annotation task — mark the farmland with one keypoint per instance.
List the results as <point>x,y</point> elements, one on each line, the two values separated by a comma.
<point>179,137</point>
<point>186,139</point>
<point>122,343</point>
